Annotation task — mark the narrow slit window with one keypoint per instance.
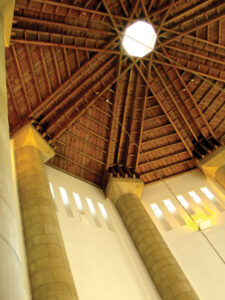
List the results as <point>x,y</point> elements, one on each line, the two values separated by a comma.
<point>93,211</point>
<point>198,200</point>
<point>172,209</point>
<point>53,195</point>
<point>66,201</point>
<point>159,214</point>
<point>80,208</point>
<point>79,203</point>
<point>105,215</point>
<point>212,198</point>
<point>185,204</point>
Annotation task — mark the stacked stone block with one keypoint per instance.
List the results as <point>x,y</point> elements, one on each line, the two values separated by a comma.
<point>49,271</point>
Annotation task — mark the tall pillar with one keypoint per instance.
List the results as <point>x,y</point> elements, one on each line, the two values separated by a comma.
<point>11,282</point>
<point>161,265</point>
<point>213,165</point>
<point>49,270</point>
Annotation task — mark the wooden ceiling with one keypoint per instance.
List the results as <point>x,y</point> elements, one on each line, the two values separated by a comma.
<point>68,74</point>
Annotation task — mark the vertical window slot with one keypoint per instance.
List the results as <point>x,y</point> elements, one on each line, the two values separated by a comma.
<point>53,195</point>
<point>159,214</point>
<point>66,201</point>
<point>212,198</point>
<point>172,209</point>
<point>93,211</point>
<point>80,208</point>
<point>185,204</point>
<point>105,215</point>
<point>198,200</point>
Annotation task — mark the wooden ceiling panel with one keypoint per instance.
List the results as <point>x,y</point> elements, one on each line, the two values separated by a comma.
<point>98,107</point>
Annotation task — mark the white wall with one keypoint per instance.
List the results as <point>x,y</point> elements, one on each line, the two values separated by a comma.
<point>103,260</point>
<point>198,259</point>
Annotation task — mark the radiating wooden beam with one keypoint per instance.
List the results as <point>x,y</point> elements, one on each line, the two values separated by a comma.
<point>69,81</point>
<point>66,62</point>
<point>196,6</point>
<point>196,54</point>
<point>29,59</point>
<point>192,71</point>
<point>175,103</point>
<point>60,45</point>
<point>78,114</point>
<point>112,120</point>
<point>45,71</point>
<point>164,110</point>
<point>81,85</point>
<point>62,25</point>
<point>21,77</point>
<point>73,7</point>
<point>122,130</point>
<point>164,17</point>
<point>143,119</point>
<point>181,34</point>
<point>192,98</point>
<point>56,66</point>
<point>13,98</point>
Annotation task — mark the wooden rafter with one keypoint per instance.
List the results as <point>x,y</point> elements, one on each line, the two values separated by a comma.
<point>45,71</point>
<point>78,164</point>
<point>85,107</point>
<point>122,129</point>
<point>63,87</point>
<point>197,54</point>
<point>181,34</point>
<point>192,98</point>
<point>62,25</point>
<point>74,7</point>
<point>189,70</point>
<point>142,117</point>
<point>13,97</point>
<point>129,129</point>
<point>151,87</point>
<point>193,8</point>
<point>56,65</point>
<point>76,90</point>
<point>21,78</point>
<point>85,141</point>
<point>82,153</point>
<point>112,120</point>
<point>28,54</point>
<point>60,45</point>
<point>176,104</point>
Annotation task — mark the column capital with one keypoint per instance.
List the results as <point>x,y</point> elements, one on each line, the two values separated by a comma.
<point>119,186</point>
<point>212,162</point>
<point>29,136</point>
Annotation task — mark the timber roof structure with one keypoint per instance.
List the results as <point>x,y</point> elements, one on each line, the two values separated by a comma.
<point>102,110</point>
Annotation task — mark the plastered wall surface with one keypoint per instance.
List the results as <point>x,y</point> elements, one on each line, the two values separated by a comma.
<point>202,265</point>
<point>103,260</point>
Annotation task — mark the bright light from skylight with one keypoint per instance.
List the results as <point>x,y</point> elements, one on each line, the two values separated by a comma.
<point>139,39</point>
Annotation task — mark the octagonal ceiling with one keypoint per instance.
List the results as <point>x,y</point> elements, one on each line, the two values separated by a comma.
<point>69,76</point>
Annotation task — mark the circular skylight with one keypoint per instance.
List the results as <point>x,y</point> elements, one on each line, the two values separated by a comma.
<point>139,39</point>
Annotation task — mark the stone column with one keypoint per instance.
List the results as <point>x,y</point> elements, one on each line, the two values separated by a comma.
<point>213,165</point>
<point>162,267</point>
<point>11,282</point>
<point>49,270</point>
